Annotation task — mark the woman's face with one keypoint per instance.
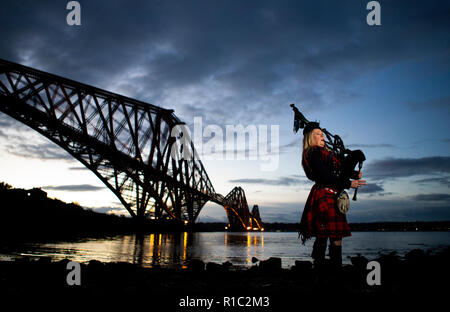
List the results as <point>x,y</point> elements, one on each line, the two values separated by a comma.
<point>318,138</point>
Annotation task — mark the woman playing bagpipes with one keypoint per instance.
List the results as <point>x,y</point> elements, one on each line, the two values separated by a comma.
<point>332,175</point>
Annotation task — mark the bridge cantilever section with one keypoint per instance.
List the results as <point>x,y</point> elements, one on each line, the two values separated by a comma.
<point>125,142</point>
<point>239,215</point>
<point>128,144</point>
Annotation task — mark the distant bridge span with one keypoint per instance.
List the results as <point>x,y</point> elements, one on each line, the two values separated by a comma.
<point>126,143</point>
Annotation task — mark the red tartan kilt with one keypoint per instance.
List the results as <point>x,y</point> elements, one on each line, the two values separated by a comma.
<point>320,217</point>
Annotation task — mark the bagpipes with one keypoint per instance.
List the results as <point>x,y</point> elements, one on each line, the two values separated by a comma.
<point>348,158</point>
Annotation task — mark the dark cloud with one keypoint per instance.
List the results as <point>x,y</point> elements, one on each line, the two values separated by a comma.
<point>407,167</point>
<point>282,181</point>
<point>383,194</point>
<point>46,151</point>
<point>382,145</point>
<point>438,180</point>
<point>8,122</point>
<point>74,188</point>
<point>293,144</point>
<point>432,197</point>
<point>20,140</point>
<point>245,57</point>
<point>370,188</point>
<point>78,168</point>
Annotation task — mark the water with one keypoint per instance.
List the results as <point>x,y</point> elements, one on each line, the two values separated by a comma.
<point>176,250</point>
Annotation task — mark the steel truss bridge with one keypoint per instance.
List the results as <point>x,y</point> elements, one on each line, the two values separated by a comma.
<point>128,144</point>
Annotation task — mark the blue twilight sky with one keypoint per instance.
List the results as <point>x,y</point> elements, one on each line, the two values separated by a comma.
<point>384,89</point>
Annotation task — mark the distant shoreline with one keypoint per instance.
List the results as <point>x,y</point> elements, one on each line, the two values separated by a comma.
<point>30,214</point>
<point>417,226</point>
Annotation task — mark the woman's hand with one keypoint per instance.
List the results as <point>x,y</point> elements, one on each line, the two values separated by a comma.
<point>357,183</point>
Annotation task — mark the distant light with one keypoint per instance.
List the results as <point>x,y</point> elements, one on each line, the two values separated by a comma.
<point>186,222</point>
<point>249,227</point>
<point>226,228</point>
<point>262,230</point>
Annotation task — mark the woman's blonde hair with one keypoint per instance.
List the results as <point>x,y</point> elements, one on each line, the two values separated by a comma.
<point>307,141</point>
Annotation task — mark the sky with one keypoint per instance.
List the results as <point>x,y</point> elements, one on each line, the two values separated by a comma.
<point>383,88</point>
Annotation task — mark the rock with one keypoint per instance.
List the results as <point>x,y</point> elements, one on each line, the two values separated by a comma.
<point>302,265</point>
<point>95,264</point>
<point>226,265</point>
<point>272,264</point>
<point>359,262</point>
<point>415,256</point>
<point>44,260</point>
<point>390,261</point>
<point>23,259</point>
<point>212,267</point>
<point>196,265</point>
<point>63,262</point>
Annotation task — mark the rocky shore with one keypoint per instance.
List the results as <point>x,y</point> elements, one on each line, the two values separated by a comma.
<point>417,274</point>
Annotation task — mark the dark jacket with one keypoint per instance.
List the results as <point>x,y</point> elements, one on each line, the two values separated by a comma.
<point>322,167</point>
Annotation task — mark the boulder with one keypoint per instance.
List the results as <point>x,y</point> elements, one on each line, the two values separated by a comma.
<point>273,264</point>
<point>196,265</point>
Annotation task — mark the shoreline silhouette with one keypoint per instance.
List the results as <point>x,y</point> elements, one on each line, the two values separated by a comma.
<point>417,273</point>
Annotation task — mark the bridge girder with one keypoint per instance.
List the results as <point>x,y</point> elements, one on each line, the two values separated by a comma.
<point>128,144</point>
<point>125,142</point>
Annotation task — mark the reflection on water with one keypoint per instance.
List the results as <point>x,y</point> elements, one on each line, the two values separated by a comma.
<point>149,250</point>
<point>162,249</point>
<point>240,248</point>
<point>176,250</point>
<point>179,249</point>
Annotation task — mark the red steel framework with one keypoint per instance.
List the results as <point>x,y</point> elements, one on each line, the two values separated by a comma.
<point>126,143</point>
